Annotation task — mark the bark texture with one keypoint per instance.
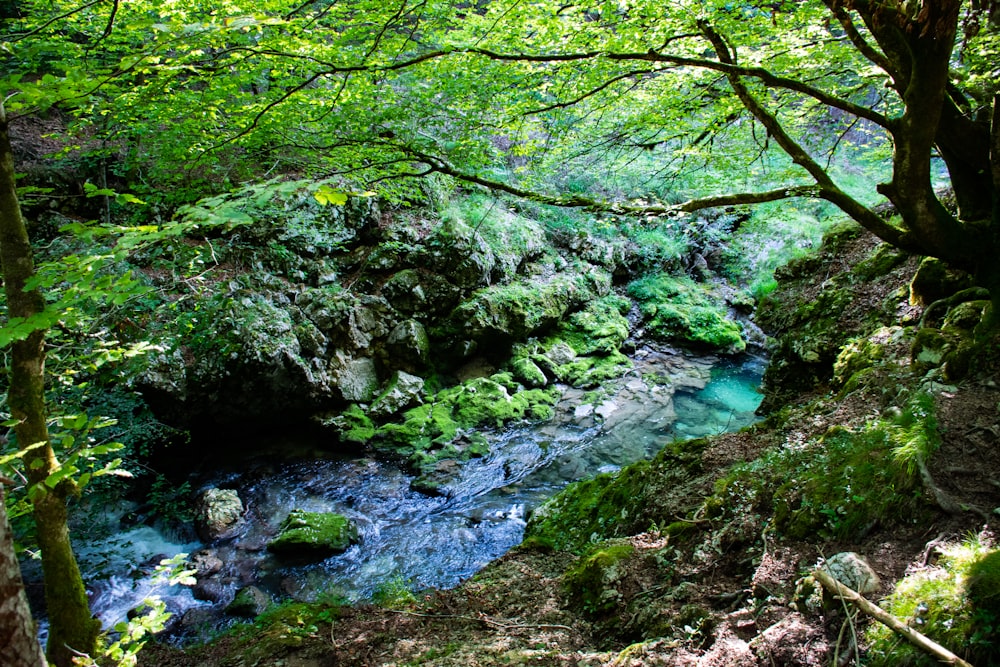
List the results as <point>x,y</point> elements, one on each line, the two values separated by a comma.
<point>71,627</point>
<point>19,645</point>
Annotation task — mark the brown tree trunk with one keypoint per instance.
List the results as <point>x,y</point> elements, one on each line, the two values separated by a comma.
<point>71,627</point>
<point>19,645</point>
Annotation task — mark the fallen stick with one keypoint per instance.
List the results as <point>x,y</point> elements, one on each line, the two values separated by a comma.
<point>890,621</point>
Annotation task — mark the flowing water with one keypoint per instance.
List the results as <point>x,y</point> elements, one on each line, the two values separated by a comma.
<point>415,540</point>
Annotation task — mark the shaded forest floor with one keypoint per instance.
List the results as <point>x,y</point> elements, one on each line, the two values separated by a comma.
<point>722,592</point>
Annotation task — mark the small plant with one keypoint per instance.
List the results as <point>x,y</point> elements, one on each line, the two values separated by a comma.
<point>395,593</point>
<point>131,635</point>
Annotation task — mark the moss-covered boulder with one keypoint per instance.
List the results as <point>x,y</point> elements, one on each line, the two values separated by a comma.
<point>677,309</point>
<point>442,427</point>
<point>591,583</point>
<point>249,602</point>
<point>313,534</point>
<point>952,602</point>
<point>936,280</point>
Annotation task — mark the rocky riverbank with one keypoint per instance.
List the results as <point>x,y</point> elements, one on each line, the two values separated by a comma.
<point>700,556</point>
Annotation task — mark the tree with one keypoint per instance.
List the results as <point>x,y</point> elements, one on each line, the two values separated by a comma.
<point>71,627</point>
<point>17,629</point>
<point>425,91</point>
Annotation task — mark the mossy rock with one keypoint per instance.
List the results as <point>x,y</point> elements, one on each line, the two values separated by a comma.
<point>439,429</point>
<point>600,328</point>
<point>966,316</point>
<point>881,262</point>
<point>314,534</point>
<point>352,425</point>
<point>984,585</point>
<point>678,309</point>
<point>591,371</point>
<point>590,582</point>
<point>936,280</point>
<point>249,602</point>
<point>953,603</point>
<point>528,372</point>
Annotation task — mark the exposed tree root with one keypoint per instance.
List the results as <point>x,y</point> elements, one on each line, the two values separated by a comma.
<point>969,294</point>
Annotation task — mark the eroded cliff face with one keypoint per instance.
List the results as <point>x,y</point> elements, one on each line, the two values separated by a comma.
<point>300,312</point>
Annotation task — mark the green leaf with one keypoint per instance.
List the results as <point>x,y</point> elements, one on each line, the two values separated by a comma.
<point>326,195</point>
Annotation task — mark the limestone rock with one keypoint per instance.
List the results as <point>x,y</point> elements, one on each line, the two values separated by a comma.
<point>402,391</point>
<point>853,571</point>
<point>219,514</point>
<point>408,346</point>
<point>356,379</point>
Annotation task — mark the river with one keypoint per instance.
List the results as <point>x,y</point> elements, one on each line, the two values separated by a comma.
<point>407,538</point>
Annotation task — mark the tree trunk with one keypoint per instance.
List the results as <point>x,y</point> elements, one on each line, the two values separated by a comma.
<point>19,645</point>
<point>71,627</point>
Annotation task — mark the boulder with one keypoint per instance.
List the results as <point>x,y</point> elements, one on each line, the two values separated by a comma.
<point>402,391</point>
<point>853,571</point>
<point>408,346</point>
<point>356,379</point>
<point>249,602</point>
<point>219,514</point>
<point>314,534</point>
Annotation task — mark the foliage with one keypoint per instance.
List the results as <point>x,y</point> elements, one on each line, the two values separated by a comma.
<point>942,603</point>
<point>128,637</point>
<point>841,484</point>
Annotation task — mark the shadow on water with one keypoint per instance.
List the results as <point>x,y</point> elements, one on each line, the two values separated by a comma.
<point>423,541</point>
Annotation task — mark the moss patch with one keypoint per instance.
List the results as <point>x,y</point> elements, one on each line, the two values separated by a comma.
<point>678,309</point>
<point>439,429</point>
<point>841,484</point>
<point>612,505</point>
<point>953,603</point>
<point>590,583</point>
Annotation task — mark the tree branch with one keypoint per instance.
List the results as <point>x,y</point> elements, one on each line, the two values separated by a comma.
<point>859,42</point>
<point>56,18</point>
<point>827,188</point>
<point>728,68</point>
<point>590,93</point>
<point>921,641</point>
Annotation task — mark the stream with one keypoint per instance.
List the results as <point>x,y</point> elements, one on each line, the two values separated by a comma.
<point>407,538</point>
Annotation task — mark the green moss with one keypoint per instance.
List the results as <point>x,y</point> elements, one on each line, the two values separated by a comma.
<point>355,426</point>
<point>600,328</point>
<point>953,603</point>
<point>881,262</point>
<point>612,505</point>
<point>935,280</point>
<point>678,309</point>
<point>590,583</point>
<point>528,372</point>
<point>439,429</point>
<point>841,484</point>
<point>319,533</point>
<point>592,371</point>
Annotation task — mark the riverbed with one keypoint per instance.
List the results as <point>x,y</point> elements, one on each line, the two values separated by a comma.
<point>408,538</point>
